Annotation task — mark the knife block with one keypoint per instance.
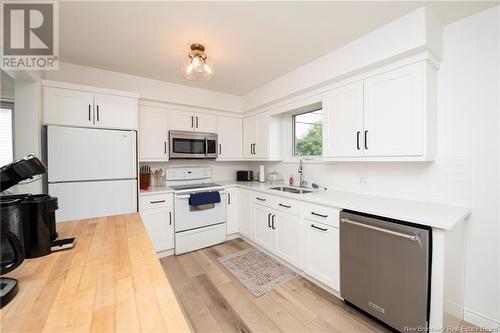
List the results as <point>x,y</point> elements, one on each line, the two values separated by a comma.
<point>144,181</point>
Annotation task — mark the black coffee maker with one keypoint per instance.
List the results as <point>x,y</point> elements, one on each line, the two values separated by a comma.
<point>27,220</point>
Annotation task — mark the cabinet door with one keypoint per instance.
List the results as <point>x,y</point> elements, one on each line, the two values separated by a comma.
<point>343,121</point>
<point>160,227</point>
<point>68,107</point>
<point>261,149</point>
<point>182,120</point>
<point>249,136</point>
<point>394,112</point>
<point>322,253</point>
<point>264,234</point>
<point>205,123</point>
<point>288,238</point>
<point>232,210</point>
<point>245,221</point>
<point>153,134</point>
<point>230,138</point>
<point>115,111</point>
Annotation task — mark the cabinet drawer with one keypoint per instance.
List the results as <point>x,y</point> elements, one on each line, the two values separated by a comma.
<point>322,214</point>
<point>289,206</point>
<point>155,201</point>
<point>261,198</point>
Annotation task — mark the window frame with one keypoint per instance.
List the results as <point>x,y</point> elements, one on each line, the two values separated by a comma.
<point>310,109</point>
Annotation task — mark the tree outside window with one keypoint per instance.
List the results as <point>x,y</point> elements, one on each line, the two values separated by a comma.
<point>308,133</point>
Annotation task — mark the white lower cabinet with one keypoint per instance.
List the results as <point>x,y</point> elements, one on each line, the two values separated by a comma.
<point>322,253</point>
<point>245,221</point>
<point>288,238</point>
<point>264,233</point>
<point>278,233</point>
<point>158,218</point>
<point>231,210</point>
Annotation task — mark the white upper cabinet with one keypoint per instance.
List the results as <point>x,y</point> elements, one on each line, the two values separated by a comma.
<point>115,111</point>
<point>181,120</point>
<point>387,117</point>
<point>205,123</point>
<point>81,106</point>
<point>262,138</point>
<point>190,121</point>
<point>343,112</point>
<point>394,112</point>
<point>230,138</point>
<point>68,107</point>
<point>153,133</point>
<point>249,136</point>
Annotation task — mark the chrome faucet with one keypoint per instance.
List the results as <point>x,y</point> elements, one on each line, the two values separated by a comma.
<point>302,182</point>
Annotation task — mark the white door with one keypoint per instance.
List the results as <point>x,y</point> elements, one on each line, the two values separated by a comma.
<point>343,121</point>
<point>83,200</point>
<point>261,149</point>
<point>205,123</point>
<point>68,107</point>
<point>115,111</point>
<point>182,120</point>
<point>322,253</point>
<point>79,154</point>
<point>264,233</point>
<point>394,112</point>
<point>153,134</point>
<point>249,136</point>
<point>232,210</point>
<point>245,220</point>
<point>160,227</point>
<point>230,137</point>
<point>288,238</point>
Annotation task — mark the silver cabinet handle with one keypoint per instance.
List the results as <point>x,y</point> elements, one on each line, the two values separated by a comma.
<point>320,215</point>
<point>157,201</point>
<point>413,238</point>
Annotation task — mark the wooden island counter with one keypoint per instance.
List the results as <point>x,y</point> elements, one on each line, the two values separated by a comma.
<point>111,281</point>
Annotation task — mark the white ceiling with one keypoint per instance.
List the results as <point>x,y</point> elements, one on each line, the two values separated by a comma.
<point>250,43</point>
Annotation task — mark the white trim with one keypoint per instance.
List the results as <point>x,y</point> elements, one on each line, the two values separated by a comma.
<point>72,86</point>
<point>165,253</point>
<point>168,106</point>
<point>481,320</point>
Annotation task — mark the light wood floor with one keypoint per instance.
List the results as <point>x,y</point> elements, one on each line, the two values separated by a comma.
<point>215,301</point>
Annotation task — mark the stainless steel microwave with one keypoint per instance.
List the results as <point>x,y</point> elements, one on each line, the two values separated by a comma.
<point>187,144</point>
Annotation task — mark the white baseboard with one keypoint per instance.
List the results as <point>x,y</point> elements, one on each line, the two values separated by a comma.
<point>233,236</point>
<point>481,320</point>
<point>165,253</point>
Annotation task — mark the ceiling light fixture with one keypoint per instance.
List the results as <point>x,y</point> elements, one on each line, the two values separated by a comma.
<point>197,66</point>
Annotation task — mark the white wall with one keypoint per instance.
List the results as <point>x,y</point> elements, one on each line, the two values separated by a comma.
<point>148,88</point>
<point>220,170</point>
<point>466,172</point>
<point>413,33</point>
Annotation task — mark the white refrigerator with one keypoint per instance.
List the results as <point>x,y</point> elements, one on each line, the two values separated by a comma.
<point>92,172</point>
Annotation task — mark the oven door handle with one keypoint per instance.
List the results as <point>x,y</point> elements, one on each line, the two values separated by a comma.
<point>186,196</point>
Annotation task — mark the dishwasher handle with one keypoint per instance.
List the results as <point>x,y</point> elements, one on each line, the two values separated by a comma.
<point>413,238</point>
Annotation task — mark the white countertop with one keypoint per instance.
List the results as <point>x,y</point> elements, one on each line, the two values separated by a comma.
<point>156,190</point>
<point>429,214</point>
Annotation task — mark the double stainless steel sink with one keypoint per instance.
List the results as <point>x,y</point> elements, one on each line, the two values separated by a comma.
<point>291,190</point>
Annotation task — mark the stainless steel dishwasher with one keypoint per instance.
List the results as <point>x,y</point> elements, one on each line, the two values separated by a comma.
<point>385,268</point>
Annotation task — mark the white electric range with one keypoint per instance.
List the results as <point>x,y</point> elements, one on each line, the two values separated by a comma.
<point>200,226</point>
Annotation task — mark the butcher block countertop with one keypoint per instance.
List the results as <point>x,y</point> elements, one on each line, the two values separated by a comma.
<point>111,280</point>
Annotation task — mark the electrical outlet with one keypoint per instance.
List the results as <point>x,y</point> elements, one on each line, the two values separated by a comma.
<point>363,180</point>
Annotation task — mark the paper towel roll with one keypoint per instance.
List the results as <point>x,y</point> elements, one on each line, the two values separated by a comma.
<point>262,174</point>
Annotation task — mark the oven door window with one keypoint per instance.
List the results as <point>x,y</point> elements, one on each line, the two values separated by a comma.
<point>188,146</point>
<point>211,147</point>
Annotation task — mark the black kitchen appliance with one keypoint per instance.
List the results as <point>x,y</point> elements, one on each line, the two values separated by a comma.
<point>12,256</point>
<point>31,217</point>
<point>244,175</point>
